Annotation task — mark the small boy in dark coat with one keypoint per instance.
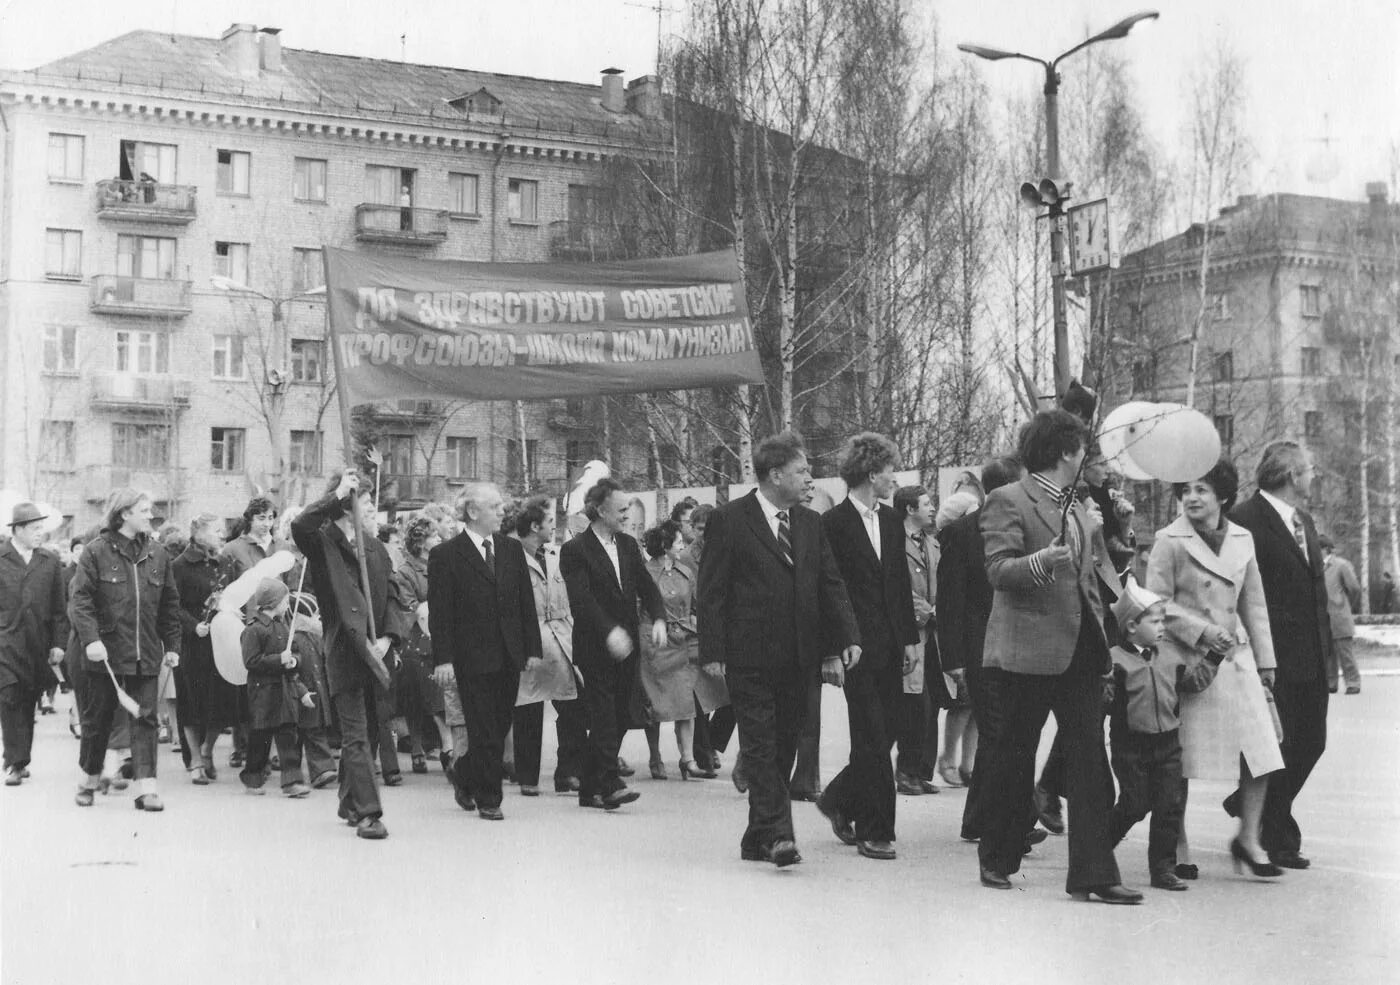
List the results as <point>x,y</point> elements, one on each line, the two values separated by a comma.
<point>1144,727</point>
<point>274,691</point>
<point>313,718</point>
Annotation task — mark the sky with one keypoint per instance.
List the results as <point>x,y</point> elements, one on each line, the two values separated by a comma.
<point>1323,79</point>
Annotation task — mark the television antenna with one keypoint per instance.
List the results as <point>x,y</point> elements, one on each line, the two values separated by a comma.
<point>658,7</point>
<point>1325,165</point>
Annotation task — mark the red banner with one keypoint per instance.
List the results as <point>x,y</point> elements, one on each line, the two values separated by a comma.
<point>445,329</point>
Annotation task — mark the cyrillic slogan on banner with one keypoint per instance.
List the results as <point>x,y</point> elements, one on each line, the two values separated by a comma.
<point>515,331</point>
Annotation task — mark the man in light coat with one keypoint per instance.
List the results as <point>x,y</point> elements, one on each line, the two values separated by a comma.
<point>1343,597</point>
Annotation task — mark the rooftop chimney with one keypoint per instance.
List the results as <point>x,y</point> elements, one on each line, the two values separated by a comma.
<point>644,96</point>
<point>270,49</point>
<point>238,47</point>
<point>1376,192</point>
<point>614,100</point>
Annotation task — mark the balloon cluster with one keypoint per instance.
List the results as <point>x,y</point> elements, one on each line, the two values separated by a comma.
<point>1166,441</point>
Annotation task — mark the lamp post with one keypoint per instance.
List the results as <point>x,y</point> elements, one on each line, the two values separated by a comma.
<point>1058,190</point>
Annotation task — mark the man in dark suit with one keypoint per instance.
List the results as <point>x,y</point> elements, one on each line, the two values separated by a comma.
<point>1290,564</point>
<point>606,579</point>
<point>1045,651</point>
<point>481,617</point>
<point>771,606</point>
<point>867,540</point>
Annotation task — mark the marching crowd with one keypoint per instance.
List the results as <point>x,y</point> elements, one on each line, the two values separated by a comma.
<point>446,632</point>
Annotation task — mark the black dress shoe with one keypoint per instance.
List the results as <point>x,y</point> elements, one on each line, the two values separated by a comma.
<point>1187,870</point>
<point>1169,880</point>
<point>619,797</point>
<point>783,853</point>
<point>1290,860</point>
<point>490,814</point>
<point>595,801</point>
<point>371,828</point>
<point>1048,809</point>
<point>623,769</point>
<point>527,790</point>
<point>882,850</point>
<point>1119,895</point>
<point>464,798</point>
<point>907,785</point>
<point>1036,835</point>
<point>993,879</point>
<point>740,781</point>
<point>840,825</point>
<point>566,784</point>
<point>749,854</point>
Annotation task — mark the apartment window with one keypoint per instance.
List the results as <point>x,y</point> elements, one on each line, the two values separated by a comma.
<point>154,160</point>
<point>523,200</point>
<point>234,166</point>
<point>1224,367</point>
<point>1225,427</point>
<point>141,446</point>
<point>226,449</point>
<point>398,457</point>
<point>1352,362</point>
<point>577,454</point>
<point>65,157</point>
<point>56,444</point>
<point>143,352</point>
<point>461,458</point>
<point>308,356</point>
<point>60,349</point>
<point>1311,297</point>
<point>308,270</point>
<point>1219,306</point>
<point>388,186</point>
<point>63,254</point>
<point>532,447</point>
<point>1312,424</point>
<point>228,358</point>
<point>462,193</point>
<point>305,452</point>
<point>309,179</point>
<point>151,257</point>
<point>231,261</point>
<point>1311,361</point>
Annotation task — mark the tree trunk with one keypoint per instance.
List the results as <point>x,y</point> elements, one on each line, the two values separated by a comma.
<point>522,445</point>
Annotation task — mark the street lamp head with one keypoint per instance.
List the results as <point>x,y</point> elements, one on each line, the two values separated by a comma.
<point>996,54</point>
<point>1121,29</point>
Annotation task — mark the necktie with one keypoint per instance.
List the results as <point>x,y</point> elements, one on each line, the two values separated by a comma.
<point>1300,535</point>
<point>785,537</point>
<point>490,554</point>
<point>539,555</point>
<point>1066,500</point>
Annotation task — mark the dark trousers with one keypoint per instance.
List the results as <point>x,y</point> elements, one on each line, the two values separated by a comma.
<point>260,746</point>
<point>1302,710</point>
<point>17,723</point>
<point>529,738</point>
<point>488,705</point>
<point>316,750</point>
<point>359,794</point>
<point>605,700</point>
<point>382,743</point>
<point>1026,701</point>
<point>1052,775</point>
<point>770,706</point>
<point>1148,768</point>
<point>916,735</point>
<point>97,704</point>
<point>806,775</point>
<point>986,712</point>
<point>1343,655</point>
<point>864,790</point>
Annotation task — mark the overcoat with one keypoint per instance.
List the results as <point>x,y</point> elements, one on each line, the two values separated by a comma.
<point>554,679</point>
<point>32,616</point>
<point>124,594</point>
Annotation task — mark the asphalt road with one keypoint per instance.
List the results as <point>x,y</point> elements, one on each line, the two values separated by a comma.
<point>223,887</point>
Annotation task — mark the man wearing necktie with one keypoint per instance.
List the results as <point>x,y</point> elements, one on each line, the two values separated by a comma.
<point>1291,567</point>
<point>1045,651</point>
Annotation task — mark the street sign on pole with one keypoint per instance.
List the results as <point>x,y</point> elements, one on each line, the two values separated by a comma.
<point>1091,245</point>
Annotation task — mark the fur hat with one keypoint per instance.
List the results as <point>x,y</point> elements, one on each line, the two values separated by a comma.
<point>1134,601</point>
<point>269,593</point>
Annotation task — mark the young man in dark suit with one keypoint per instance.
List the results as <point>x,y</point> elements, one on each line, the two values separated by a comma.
<point>1291,566</point>
<point>867,540</point>
<point>481,617</point>
<point>771,607</point>
<point>606,579</point>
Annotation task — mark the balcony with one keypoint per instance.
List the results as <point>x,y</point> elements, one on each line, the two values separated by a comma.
<point>161,394</point>
<point>402,225</point>
<point>140,296</point>
<point>145,201</point>
<point>411,492</point>
<point>412,412</point>
<point>165,485</point>
<point>571,239</point>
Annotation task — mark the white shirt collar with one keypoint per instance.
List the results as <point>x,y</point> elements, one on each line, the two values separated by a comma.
<point>866,513</point>
<point>769,510</point>
<point>478,542</point>
<point>1281,508</point>
<point>25,554</point>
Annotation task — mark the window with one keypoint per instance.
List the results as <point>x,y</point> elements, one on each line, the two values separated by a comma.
<point>1311,296</point>
<point>56,444</point>
<point>523,200</point>
<point>308,355</point>
<point>65,157</point>
<point>143,352</point>
<point>398,455</point>
<point>60,349</point>
<point>386,186</point>
<point>309,179</point>
<point>231,261</point>
<point>146,256</point>
<point>583,211</point>
<point>1219,306</point>
<point>226,449</point>
<point>513,460</point>
<point>305,452</point>
<point>63,256</point>
<point>461,458</point>
<point>1224,367</point>
<point>1352,362</point>
<point>1312,424</point>
<point>462,193</point>
<point>141,446</point>
<point>228,358</point>
<point>1312,361</point>
<point>577,454</point>
<point>308,270</point>
<point>233,172</point>
<point>155,160</point>
<point>1225,427</point>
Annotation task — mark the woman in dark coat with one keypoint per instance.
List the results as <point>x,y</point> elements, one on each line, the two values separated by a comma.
<point>205,703</point>
<point>420,700</point>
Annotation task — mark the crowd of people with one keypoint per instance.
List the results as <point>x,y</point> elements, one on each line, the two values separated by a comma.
<point>447,631</point>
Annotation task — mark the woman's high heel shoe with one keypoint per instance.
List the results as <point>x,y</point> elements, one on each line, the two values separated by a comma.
<point>693,771</point>
<point>658,769</point>
<point>1264,870</point>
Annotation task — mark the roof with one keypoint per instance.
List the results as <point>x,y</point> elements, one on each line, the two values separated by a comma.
<point>356,86</point>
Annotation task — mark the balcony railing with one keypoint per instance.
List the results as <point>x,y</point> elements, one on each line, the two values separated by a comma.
<point>400,224</point>
<point>165,485</point>
<point>412,491</point>
<point>114,295</point>
<point>145,201</point>
<point>410,411</point>
<point>127,391</point>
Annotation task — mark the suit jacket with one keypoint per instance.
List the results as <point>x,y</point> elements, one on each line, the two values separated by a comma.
<point>1034,628</point>
<point>878,587</point>
<point>481,620</point>
<point>964,594</point>
<point>1343,596</point>
<point>598,601</point>
<point>33,617</point>
<point>1295,588</point>
<point>753,609</point>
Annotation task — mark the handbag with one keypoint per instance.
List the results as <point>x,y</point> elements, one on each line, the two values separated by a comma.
<point>1273,714</point>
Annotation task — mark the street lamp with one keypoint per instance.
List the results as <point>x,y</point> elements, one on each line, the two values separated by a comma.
<point>1055,195</point>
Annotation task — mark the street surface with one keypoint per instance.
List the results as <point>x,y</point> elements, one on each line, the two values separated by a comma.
<point>224,887</point>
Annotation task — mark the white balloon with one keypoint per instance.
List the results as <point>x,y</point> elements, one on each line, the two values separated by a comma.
<point>226,634</point>
<point>592,472</point>
<point>239,591</point>
<point>1114,434</point>
<point>1173,443</point>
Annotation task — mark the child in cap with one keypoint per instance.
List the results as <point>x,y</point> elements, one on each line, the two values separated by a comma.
<point>274,691</point>
<point>1144,727</point>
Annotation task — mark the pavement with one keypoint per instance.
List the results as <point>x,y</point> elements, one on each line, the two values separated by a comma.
<point>223,887</point>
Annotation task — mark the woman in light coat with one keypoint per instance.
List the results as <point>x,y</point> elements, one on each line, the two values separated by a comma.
<point>1205,567</point>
